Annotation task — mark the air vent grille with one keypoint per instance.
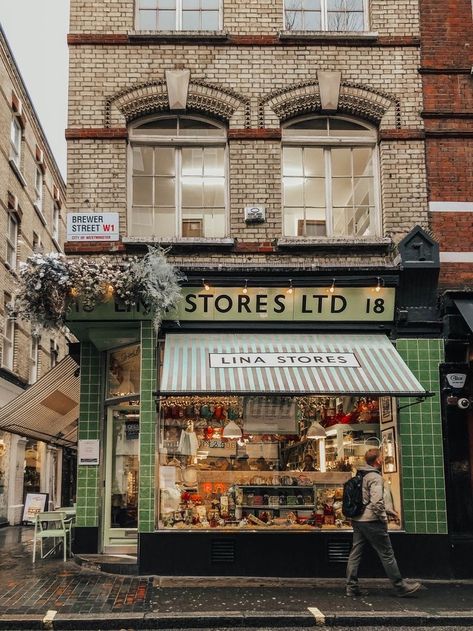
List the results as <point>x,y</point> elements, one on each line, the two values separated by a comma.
<point>223,551</point>
<point>338,551</point>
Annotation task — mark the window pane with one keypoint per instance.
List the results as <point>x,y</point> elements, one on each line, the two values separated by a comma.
<point>342,192</point>
<point>215,223</point>
<point>318,127</point>
<point>312,21</point>
<point>147,20</point>
<point>191,4</point>
<point>294,21</point>
<point>315,225</point>
<point>166,4</point>
<point>341,162</point>
<point>193,127</point>
<point>214,161</point>
<point>364,191</point>
<point>211,4</point>
<point>362,161</point>
<point>190,20</point>
<point>292,219</point>
<point>142,222</point>
<point>314,192</point>
<point>292,161</point>
<point>192,191</point>
<point>165,222</point>
<point>148,4</point>
<point>353,221</point>
<point>210,21</point>
<point>214,192</point>
<point>166,20</point>
<point>165,161</point>
<point>293,191</point>
<point>142,191</point>
<point>340,127</point>
<point>164,192</point>
<point>336,21</point>
<point>142,160</point>
<point>314,161</point>
<point>12,229</point>
<point>192,161</point>
<point>159,127</point>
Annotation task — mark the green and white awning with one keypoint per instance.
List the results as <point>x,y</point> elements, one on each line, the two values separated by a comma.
<point>227,363</point>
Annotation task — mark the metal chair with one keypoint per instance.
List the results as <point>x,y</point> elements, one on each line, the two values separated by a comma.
<point>52,525</point>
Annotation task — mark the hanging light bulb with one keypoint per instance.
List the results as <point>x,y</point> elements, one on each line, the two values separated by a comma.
<point>245,288</point>
<point>332,288</point>
<point>205,285</point>
<point>378,286</point>
<point>316,431</point>
<point>231,430</point>
<point>291,289</point>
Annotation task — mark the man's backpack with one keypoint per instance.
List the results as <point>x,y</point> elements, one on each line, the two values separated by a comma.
<point>352,504</point>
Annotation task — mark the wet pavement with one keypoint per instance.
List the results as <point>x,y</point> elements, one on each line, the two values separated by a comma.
<point>105,601</point>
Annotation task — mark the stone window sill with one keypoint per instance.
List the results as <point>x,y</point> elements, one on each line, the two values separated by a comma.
<point>40,213</point>
<point>17,172</point>
<point>181,241</point>
<point>177,35</point>
<point>335,242</point>
<point>330,35</point>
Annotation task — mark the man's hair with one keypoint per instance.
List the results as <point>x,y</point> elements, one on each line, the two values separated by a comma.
<point>372,455</point>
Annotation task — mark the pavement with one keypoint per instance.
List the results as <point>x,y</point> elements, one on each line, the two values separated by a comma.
<point>55,595</point>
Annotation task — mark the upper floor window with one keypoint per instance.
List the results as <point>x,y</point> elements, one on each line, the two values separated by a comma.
<point>12,239</point>
<point>56,215</point>
<point>8,334</point>
<point>178,182</point>
<point>15,141</point>
<point>330,178</point>
<point>325,15</point>
<point>53,352</point>
<point>38,189</point>
<point>34,359</point>
<point>179,15</point>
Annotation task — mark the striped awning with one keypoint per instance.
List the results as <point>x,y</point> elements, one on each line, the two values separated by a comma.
<point>48,410</point>
<point>296,363</point>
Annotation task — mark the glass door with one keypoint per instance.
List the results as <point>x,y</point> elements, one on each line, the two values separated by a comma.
<point>121,479</point>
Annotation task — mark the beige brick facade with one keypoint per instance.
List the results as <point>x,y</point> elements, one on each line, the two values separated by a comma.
<point>17,197</point>
<point>264,79</point>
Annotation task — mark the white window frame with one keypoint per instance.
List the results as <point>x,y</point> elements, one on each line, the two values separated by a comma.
<point>39,178</point>
<point>34,359</point>
<point>178,24</point>
<point>16,137</point>
<point>324,19</point>
<point>329,142</point>
<point>177,142</point>
<point>8,347</point>
<point>56,217</point>
<point>12,245</point>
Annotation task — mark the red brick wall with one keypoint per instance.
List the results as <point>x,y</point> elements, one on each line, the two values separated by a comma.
<point>450,169</point>
<point>446,33</point>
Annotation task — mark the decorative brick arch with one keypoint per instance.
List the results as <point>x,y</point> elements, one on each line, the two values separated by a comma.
<point>151,97</point>
<point>355,99</point>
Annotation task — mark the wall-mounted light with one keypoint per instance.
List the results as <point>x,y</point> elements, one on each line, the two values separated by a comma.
<point>291,289</point>
<point>379,285</point>
<point>245,288</point>
<point>205,285</point>
<point>332,287</point>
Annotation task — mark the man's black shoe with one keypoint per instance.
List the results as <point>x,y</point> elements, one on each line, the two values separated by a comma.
<point>353,592</point>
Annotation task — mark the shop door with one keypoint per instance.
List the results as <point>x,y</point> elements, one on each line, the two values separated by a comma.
<point>121,480</point>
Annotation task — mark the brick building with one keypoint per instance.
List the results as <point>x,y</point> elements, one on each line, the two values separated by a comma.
<point>446,69</point>
<point>32,219</point>
<point>279,148</point>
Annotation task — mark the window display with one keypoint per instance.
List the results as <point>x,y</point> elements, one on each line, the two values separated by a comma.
<point>264,462</point>
<point>123,377</point>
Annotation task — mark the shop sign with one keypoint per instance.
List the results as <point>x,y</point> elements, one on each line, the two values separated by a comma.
<point>92,227</point>
<point>34,503</point>
<point>300,304</point>
<point>89,452</point>
<point>285,360</point>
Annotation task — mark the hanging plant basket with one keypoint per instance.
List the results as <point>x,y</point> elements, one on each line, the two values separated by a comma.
<point>50,282</point>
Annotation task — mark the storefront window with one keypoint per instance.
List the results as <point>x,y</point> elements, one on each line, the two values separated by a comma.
<point>268,462</point>
<point>125,467</point>
<point>32,478</point>
<point>123,372</point>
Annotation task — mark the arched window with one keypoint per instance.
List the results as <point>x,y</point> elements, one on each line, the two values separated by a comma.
<point>330,178</point>
<point>178,187</point>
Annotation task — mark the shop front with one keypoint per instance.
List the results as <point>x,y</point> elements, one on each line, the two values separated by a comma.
<point>225,451</point>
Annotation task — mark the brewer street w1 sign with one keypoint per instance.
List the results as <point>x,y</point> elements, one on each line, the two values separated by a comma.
<point>92,227</point>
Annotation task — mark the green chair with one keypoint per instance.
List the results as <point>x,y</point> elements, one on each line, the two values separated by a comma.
<point>52,525</point>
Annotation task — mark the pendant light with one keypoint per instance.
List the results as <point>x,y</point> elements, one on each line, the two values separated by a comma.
<point>315,431</point>
<point>231,430</point>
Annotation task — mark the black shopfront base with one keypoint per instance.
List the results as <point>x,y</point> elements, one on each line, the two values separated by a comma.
<point>279,554</point>
<point>86,540</point>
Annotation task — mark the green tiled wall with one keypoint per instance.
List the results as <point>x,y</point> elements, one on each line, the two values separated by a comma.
<point>420,427</point>
<point>89,428</point>
<point>147,429</point>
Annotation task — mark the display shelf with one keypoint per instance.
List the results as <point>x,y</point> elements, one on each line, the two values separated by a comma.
<point>275,486</point>
<point>277,507</point>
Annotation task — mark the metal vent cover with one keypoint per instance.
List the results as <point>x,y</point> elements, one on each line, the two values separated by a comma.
<point>338,550</point>
<point>222,551</point>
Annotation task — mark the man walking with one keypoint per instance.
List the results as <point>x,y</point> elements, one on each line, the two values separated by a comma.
<point>372,527</point>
